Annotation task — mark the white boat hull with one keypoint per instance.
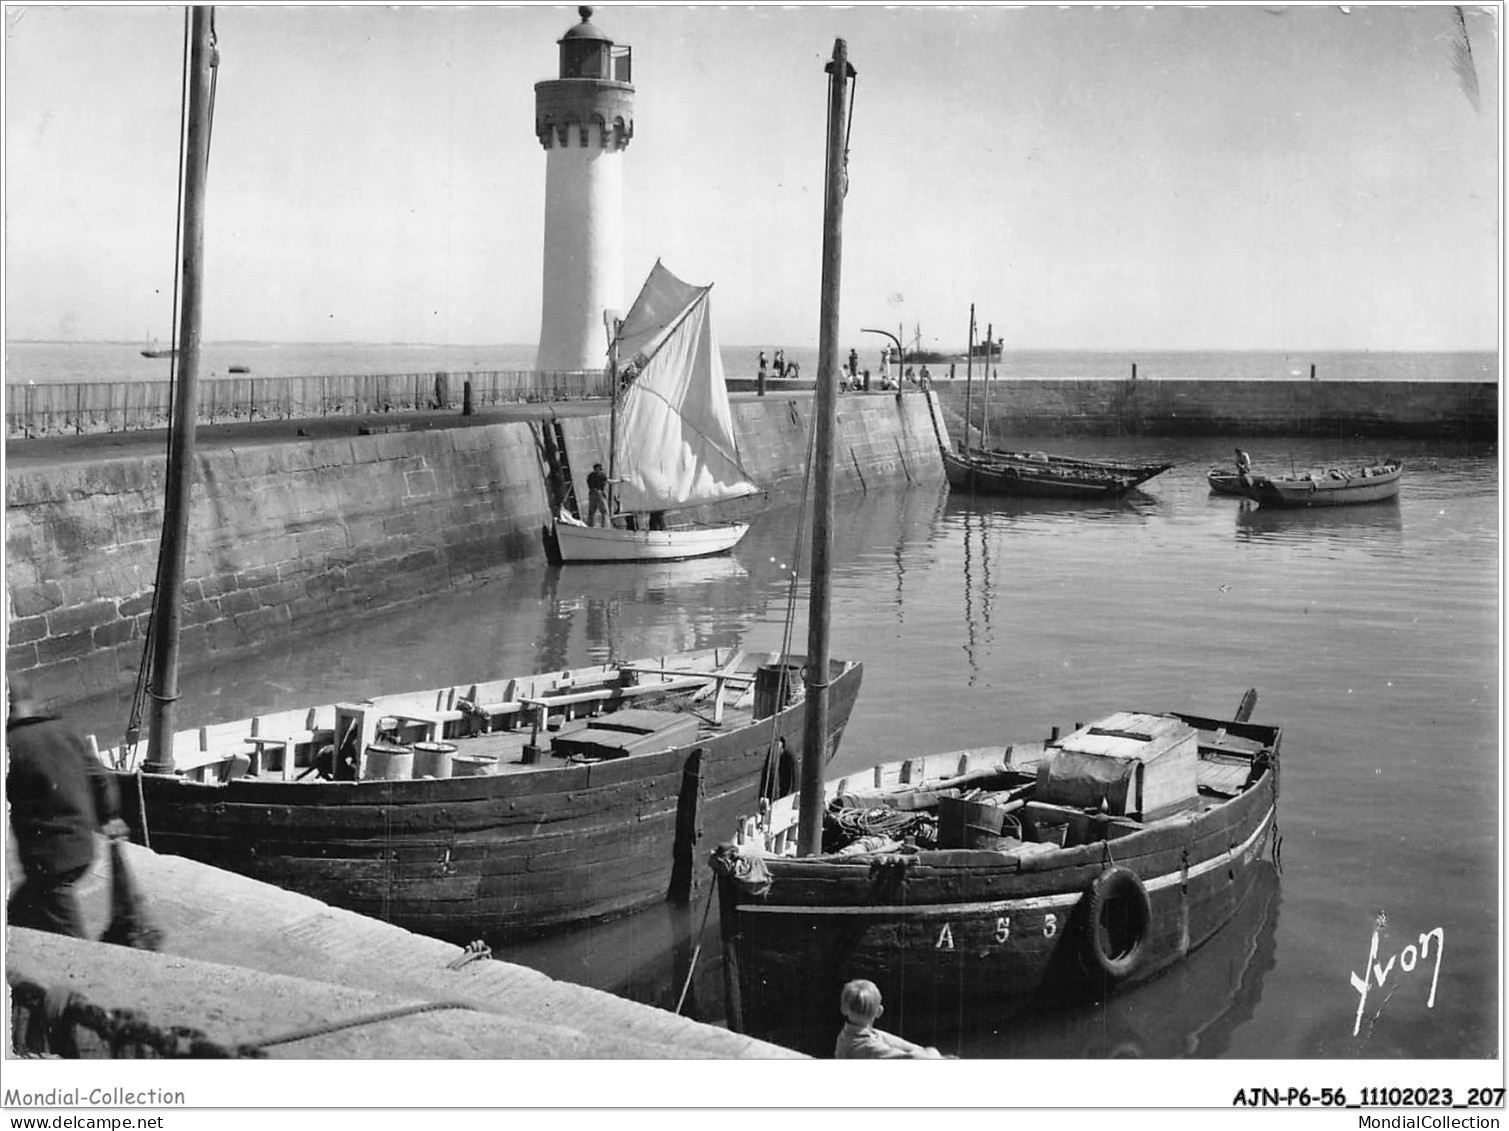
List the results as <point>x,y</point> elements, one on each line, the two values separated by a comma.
<point>609,544</point>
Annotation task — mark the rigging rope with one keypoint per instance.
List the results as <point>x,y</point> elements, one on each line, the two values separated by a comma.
<point>770,776</point>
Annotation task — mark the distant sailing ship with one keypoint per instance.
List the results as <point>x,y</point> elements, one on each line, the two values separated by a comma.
<point>977,351</point>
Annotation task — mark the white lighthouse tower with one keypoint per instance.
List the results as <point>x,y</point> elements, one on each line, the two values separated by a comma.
<point>585,120</point>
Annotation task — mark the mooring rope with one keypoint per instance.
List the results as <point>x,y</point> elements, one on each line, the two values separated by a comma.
<point>49,1022</point>
<point>358,1022</point>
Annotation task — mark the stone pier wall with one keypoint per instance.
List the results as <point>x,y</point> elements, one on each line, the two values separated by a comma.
<point>1384,409</point>
<point>292,538</point>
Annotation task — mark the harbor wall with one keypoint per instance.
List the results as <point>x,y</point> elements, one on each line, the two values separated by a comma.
<point>78,408</point>
<point>292,538</point>
<point>1455,409</point>
<point>1462,410</point>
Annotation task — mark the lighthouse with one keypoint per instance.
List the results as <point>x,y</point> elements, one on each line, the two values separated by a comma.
<point>585,120</point>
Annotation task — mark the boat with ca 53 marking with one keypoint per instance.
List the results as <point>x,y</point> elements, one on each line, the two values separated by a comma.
<point>988,881</point>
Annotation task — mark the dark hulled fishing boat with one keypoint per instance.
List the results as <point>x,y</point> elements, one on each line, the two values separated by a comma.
<point>980,883</point>
<point>497,810</point>
<point>1040,475</point>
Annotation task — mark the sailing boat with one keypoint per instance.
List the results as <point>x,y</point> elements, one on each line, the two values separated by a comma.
<point>672,445</point>
<point>497,808</point>
<point>1028,474</point>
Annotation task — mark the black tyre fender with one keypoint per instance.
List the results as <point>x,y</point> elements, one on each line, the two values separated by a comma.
<point>1118,920</point>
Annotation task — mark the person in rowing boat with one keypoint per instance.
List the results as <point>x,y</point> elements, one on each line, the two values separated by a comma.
<point>1244,467</point>
<point>59,795</point>
<point>860,1040</point>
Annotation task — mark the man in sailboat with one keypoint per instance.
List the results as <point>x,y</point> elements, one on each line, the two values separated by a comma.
<point>597,495</point>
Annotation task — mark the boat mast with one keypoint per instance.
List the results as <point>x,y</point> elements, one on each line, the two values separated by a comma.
<point>825,416</point>
<point>969,379</point>
<point>990,329</point>
<point>168,608</point>
<point>615,327</point>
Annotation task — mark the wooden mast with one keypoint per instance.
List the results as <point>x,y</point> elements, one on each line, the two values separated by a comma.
<point>163,687</point>
<point>825,415</point>
<point>969,380</point>
<point>990,331</point>
<point>615,327</point>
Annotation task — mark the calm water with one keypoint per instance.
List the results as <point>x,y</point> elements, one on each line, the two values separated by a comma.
<point>1370,634</point>
<point>45,362</point>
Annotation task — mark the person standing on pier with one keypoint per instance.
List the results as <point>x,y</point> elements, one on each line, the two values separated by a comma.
<point>59,795</point>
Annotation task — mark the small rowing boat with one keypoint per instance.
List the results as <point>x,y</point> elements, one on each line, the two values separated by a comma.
<point>1225,482</point>
<point>1334,487</point>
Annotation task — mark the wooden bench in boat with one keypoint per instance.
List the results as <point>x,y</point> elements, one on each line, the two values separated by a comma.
<point>542,705</point>
<point>712,682</point>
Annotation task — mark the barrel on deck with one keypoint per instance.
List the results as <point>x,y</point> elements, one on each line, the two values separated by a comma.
<point>388,763</point>
<point>433,759</point>
<point>473,765</point>
<point>968,824</point>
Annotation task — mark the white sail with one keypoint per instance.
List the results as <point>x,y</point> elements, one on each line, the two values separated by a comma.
<point>675,444</point>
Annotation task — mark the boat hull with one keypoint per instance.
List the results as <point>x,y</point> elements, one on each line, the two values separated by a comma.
<point>495,857</point>
<point>961,939</point>
<point>1017,476</point>
<point>1334,490</point>
<point>1226,483</point>
<point>610,544</point>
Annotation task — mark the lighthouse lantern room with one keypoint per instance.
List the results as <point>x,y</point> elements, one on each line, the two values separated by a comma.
<point>585,120</point>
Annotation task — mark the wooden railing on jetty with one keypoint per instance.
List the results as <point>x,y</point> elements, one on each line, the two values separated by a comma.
<point>75,408</point>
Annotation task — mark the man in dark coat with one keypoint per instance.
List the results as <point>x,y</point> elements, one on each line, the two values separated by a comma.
<point>59,795</point>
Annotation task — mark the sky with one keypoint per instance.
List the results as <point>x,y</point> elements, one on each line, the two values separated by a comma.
<point>1174,177</point>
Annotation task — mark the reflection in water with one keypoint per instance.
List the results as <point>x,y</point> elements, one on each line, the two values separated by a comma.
<point>1135,503</point>
<point>1374,526</point>
<point>613,611</point>
<point>1190,1010</point>
<point>977,590</point>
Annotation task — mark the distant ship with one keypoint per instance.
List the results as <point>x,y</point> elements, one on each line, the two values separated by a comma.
<point>935,357</point>
<point>159,353</point>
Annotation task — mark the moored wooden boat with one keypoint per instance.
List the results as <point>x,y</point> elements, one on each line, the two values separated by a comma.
<point>580,543</point>
<point>988,881</point>
<point>1334,487</point>
<point>1224,482</point>
<point>498,810</point>
<point>1040,475</point>
<point>671,443</point>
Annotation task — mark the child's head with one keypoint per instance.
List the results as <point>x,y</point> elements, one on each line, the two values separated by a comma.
<point>860,1001</point>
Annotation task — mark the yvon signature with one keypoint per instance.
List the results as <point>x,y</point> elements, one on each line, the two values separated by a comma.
<point>1376,973</point>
